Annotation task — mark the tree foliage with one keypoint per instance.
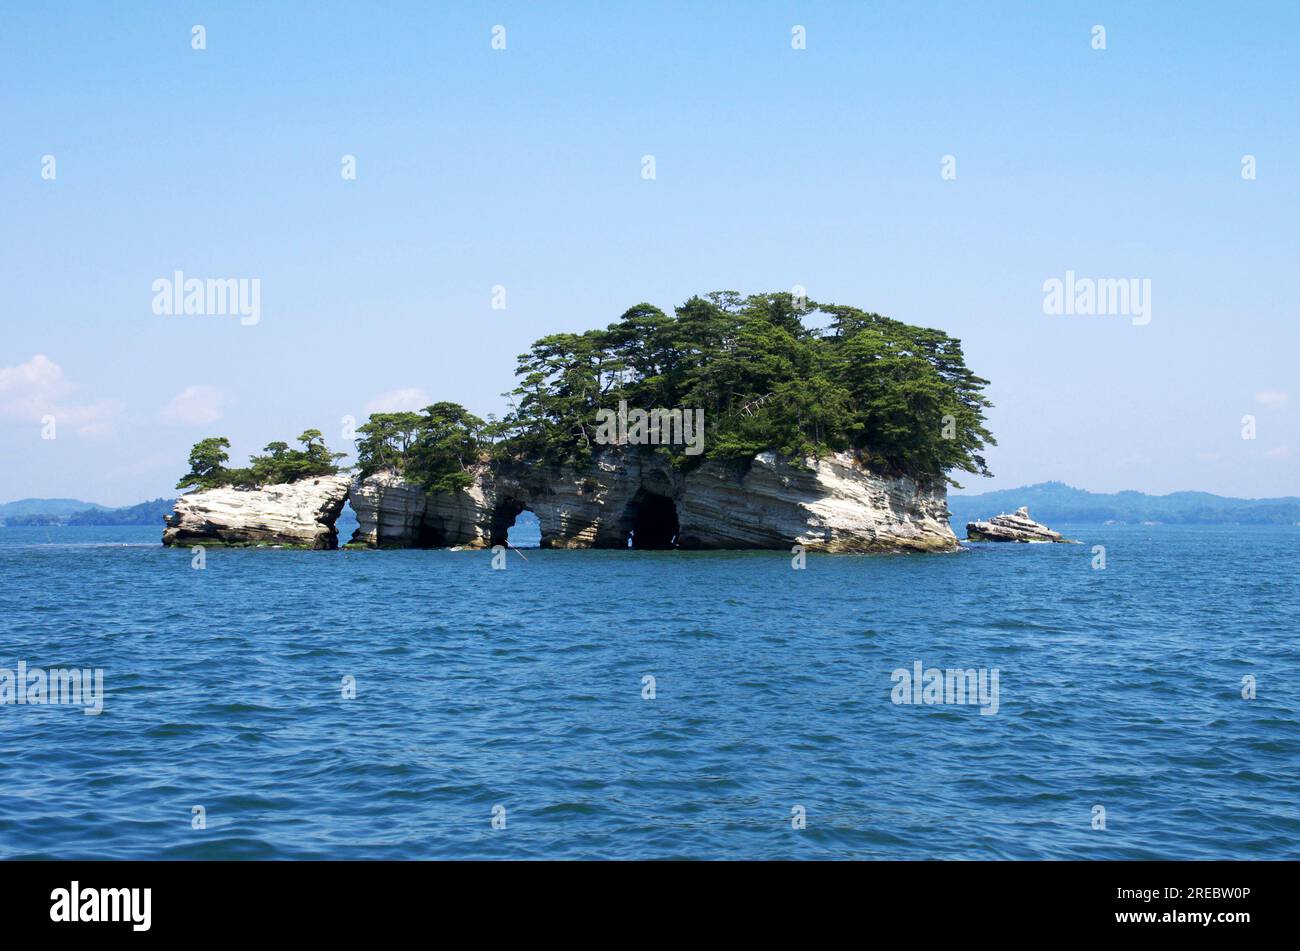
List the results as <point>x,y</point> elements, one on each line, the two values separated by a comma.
<point>899,396</point>
<point>208,461</point>
<point>433,448</point>
<point>277,464</point>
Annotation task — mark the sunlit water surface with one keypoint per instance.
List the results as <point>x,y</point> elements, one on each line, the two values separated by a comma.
<point>523,689</point>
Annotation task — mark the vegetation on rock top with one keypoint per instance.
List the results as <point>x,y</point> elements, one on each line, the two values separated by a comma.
<point>278,463</point>
<point>899,397</point>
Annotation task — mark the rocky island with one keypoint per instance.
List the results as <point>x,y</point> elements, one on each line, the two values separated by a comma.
<point>301,514</point>
<point>1012,528</point>
<point>837,440</point>
<point>622,500</point>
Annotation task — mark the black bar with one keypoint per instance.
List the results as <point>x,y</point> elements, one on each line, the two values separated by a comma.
<point>213,900</point>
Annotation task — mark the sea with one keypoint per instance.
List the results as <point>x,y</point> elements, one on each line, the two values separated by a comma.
<point>1138,698</point>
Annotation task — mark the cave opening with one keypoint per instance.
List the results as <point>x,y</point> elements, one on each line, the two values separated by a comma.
<point>654,524</point>
<point>430,536</point>
<point>514,524</point>
<point>345,525</point>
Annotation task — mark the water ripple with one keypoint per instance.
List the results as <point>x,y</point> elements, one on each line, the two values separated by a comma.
<point>229,729</point>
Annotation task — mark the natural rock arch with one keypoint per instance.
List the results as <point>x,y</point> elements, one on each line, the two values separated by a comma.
<point>504,514</point>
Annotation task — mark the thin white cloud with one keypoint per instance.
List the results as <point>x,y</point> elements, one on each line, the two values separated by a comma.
<point>399,401</point>
<point>1271,398</point>
<point>194,406</point>
<point>38,373</point>
<point>1279,452</point>
<point>31,391</point>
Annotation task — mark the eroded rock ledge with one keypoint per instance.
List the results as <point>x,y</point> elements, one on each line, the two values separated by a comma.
<point>296,513</point>
<point>831,505</point>
<point>1012,528</point>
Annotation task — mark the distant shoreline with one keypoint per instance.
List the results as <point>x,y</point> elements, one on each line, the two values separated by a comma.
<point>1056,502</point>
<point>28,513</point>
<point>1052,501</point>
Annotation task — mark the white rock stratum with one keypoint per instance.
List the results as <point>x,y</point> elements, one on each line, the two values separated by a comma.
<point>296,513</point>
<point>831,504</point>
<point>828,505</point>
<point>1011,528</point>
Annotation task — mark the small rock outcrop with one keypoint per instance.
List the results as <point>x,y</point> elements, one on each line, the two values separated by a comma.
<point>638,498</point>
<point>295,513</point>
<point>1012,528</point>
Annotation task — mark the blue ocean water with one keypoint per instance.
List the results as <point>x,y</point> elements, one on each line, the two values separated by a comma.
<point>523,688</point>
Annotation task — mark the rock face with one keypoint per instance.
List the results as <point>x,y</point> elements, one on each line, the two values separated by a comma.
<point>296,513</point>
<point>393,513</point>
<point>624,498</point>
<point>1011,528</point>
<point>830,505</point>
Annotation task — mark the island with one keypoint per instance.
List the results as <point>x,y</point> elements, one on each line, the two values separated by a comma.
<point>1018,527</point>
<point>730,424</point>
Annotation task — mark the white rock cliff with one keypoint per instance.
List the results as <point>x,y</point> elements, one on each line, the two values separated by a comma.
<point>1011,528</point>
<point>295,513</point>
<point>829,505</point>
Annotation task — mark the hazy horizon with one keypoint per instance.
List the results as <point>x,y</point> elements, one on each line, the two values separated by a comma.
<point>951,493</point>
<point>522,168</point>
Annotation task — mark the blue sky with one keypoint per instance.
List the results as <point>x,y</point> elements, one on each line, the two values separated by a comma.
<point>774,167</point>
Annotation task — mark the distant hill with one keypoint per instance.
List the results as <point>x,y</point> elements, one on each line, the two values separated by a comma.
<point>28,512</point>
<point>45,507</point>
<point>1056,502</point>
<point>145,513</point>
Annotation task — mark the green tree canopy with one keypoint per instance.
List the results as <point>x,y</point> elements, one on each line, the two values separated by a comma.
<point>277,464</point>
<point>769,371</point>
<point>434,448</point>
<point>898,396</point>
<point>208,461</point>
